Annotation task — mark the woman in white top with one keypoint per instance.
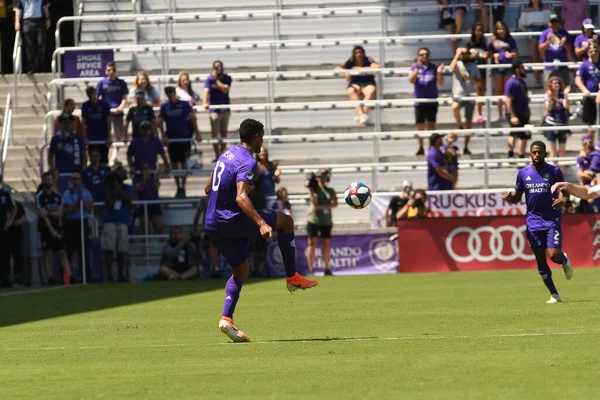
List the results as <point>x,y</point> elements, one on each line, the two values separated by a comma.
<point>142,81</point>
<point>534,18</point>
<point>184,89</point>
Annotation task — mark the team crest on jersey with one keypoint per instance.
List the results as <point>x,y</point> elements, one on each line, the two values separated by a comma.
<point>250,176</point>
<point>546,176</point>
<point>266,211</point>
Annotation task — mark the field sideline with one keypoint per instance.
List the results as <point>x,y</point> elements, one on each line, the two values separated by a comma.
<point>470,335</point>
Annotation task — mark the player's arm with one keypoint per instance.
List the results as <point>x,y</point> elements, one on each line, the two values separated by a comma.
<point>243,201</point>
<point>580,191</point>
<point>208,184</point>
<point>445,174</point>
<point>513,197</point>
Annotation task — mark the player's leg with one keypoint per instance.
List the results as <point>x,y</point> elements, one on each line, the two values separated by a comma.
<point>168,273</point>
<point>537,242</point>
<point>555,251</point>
<point>326,247</point>
<point>214,132</point>
<point>66,265</point>
<point>310,253</point>
<point>224,126</point>
<point>456,106</point>
<point>191,273</point>
<point>354,95</point>
<point>420,126</point>
<point>469,111</point>
<point>499,88</point>
<point>523,138</point>
<point>48,264</point>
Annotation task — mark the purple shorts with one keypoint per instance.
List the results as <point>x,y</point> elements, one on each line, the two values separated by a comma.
<point>549,239</point>
<point>233,241</point>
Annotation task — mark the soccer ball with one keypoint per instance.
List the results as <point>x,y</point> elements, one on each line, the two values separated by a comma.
<point>357,195</point>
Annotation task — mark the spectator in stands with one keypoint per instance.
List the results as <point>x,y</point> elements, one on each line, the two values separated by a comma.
<point>584,173</point>
<point>114,91</point>
<point>465,79</point>
<point>49,205</point>
<point>574,12</point>
<point>16,244</point>
<point>96,121</point>
<point>139,113</point>
<point>585,39</point>
<point>142,83</point>
<point>497,12</point>
<point>453,17</point>
<point>282,204</point>
<point>66,152</point>
<point>177,116</point>
<point>177,258</point>
<point>587,80</point>
<point>478,53</point>
<point>198,228</point>
<point>438,177</point>
<point>93,176</point>
<point>216,91</point>
<point>117,217</point>
<point>555,45</point>
<point>268,177</point>
<point>184,89</point>
<point>320,221</point>
<point>8,212</point>
<point>36,21</point>
<point>556,113</point>
<point>146,188</point>
<point>75,199</point>
<point>415,208</point>
<point>360,87</point>
<point>517,107</point>
<point>425,76</point>
<point>397,202</point>
<point>69,107</point>
<point>503,49</point>
<point>451,155</point>
<point>146,149</point>
<point>534,18</point>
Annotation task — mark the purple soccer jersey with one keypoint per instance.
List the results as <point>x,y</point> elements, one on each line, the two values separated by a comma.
<point>145,152</point>
<point>435,159</point>
<point>426,84</point>
<point>536,184</point>
<point>516,89</point>
<point>215,96</point>
<point>508,45</point>
<point>176,118</point>
<point>590,75</point>
<point>555,52</point>
<point>580,42</point>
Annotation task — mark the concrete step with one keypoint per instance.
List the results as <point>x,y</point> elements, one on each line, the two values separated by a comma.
<point>107,7</point>
<point>108,36</point>
<point>41,78</point>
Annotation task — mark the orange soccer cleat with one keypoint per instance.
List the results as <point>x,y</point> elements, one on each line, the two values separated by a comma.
<point>227,326</point>
<point>299,282</point>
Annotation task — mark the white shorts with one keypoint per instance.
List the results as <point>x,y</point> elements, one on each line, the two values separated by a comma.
<point>115,237</point>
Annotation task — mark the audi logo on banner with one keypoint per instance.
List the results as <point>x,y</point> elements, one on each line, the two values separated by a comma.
<point>476,250</point>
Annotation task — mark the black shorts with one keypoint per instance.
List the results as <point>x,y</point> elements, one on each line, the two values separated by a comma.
<point>323,231</point>
<point>426,112</point>
<point>590,111</point>
<point>522,122</point>
<point>49,242</point>
<point>179,151</point>
<point>102,149</point>
<point>153,210</point>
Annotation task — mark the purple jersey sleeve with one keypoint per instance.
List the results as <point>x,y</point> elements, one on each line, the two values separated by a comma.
<point>163,113</point>
<point>207,82</point>
<point>246,171</point>
<point>519,185</point>
<point>437,161</point>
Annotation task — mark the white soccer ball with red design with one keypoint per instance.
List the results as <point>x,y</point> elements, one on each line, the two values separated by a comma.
<point>357,195</point>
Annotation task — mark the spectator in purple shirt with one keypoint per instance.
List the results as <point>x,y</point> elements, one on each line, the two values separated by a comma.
<point>587,79</point>
<point>216,91</point>
<point>438,177</point>
<point>146,149</point>
<point>556,110</point>
<point>177,116</point>
<point>96,121</point>
<point>585,39</point>
<point>114,91</point>
<point>584,173</point>
<point>93,176</point>
<point>451,154</point>
<point>360,87</point>
<point>517,108</point>
<point>66,152</point>
<point>503,49</point>
<point>555,44</point>
<point>425,76</point>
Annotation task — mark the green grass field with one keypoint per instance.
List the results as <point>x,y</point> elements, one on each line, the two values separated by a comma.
<point>478,335</point>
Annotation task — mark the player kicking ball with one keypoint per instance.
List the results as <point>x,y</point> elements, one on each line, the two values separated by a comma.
<point>231,221</point>
<point>543,214</point>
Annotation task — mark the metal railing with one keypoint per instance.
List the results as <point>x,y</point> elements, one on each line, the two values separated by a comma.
<point>6,132</point>
<point>17,67</point>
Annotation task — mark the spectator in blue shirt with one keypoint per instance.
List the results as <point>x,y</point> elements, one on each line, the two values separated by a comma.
<point>114,91</point>
<point>36,21</point>
<point>117,218</point>
<point>216,91</point>
<point>67,151</point>
<point>96,121</point>
<point>142,82</point>
<point>74,198</point>
<point>145,150</point>
<point>177,116</point>
<point>93,176</point>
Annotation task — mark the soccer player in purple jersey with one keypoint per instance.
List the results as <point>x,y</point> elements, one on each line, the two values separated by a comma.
<point>543,214</point>
<point>231,221</point>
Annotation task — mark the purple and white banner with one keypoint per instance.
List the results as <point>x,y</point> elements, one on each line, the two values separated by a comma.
<point>350,255</point>
<point>86,64</point>
<point>454,203</point>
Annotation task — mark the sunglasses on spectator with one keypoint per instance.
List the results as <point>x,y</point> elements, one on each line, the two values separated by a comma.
<point>586,142</point>
<point>423,54</point>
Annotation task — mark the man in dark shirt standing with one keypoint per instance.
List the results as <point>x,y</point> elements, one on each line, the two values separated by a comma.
<point>66,151</point>
<point>139,113</point>
<point>36,20</point>
<point>96,119</point>
<point>7,216</point>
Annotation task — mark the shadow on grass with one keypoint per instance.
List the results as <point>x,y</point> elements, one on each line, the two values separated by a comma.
<point>18,307</point>
<point>328,339</point>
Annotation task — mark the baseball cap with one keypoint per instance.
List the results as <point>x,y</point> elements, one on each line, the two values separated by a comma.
<point>553,18</point>
<point>434,137</point>
<point>586,138</point>
<point>145,125</point>
<point>587,24</point>
<point>139,91</point>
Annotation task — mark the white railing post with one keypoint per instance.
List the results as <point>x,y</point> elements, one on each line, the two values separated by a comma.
<point>83,251</point>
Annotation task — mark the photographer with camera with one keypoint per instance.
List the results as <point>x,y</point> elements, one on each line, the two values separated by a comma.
<point>117,217</point>
<point>177,257</point>
<point>415,208</point>
<point>320,221</point>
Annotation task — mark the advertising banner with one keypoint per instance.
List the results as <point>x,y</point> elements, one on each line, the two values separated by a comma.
<point>86,64</point>
<point>350,255</point>
<point>445,204</point>
<point>467,244</point>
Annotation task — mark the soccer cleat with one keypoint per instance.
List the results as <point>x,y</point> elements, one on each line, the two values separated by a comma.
<point>227,327</point>
<point>299,282</point>
<point>555,298</point>
<point>568,268</point>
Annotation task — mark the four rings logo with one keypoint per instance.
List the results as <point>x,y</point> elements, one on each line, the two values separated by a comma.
<point>518,243</point>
